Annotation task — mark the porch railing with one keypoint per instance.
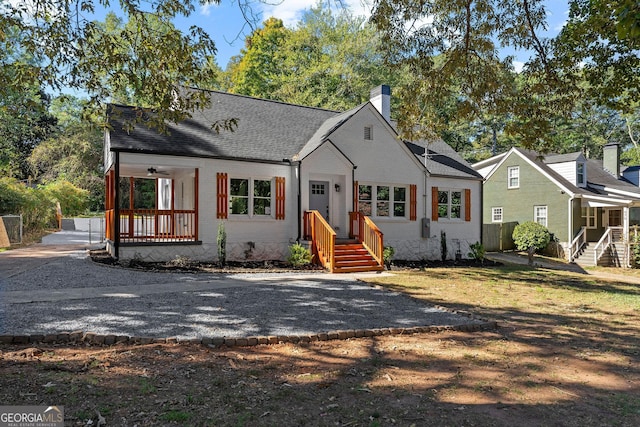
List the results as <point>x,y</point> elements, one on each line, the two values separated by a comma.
<point>577,243</point>
<point>323,239</point>
<point>362,228</point>
<point>157,225</point>
<point>612,234</point>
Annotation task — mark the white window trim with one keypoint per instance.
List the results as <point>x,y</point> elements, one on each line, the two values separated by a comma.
<point>462,207</point>
<point>391,201</point>
<point>493,214</point>
<point>536,218</point>
<point>517,176</point>
<point>580,174</point>
<point>590,213</point>
<point>250,203</point>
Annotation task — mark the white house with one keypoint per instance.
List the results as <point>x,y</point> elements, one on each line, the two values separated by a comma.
<point>344,182</point>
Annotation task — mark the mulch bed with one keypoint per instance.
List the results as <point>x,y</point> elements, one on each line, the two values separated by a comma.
<point>273,266</point>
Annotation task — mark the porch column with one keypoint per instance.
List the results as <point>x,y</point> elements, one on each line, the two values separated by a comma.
<point>625,236</point>
<point>196,203</point>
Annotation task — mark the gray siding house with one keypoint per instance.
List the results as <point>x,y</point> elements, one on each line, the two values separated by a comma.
<point>588,205</point>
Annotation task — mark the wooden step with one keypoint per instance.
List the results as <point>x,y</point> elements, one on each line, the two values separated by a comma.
<point>351,257</point>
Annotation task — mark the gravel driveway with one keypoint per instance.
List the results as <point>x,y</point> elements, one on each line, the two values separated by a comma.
<point>53,289</point>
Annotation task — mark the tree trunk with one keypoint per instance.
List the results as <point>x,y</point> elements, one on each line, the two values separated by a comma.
<point>530,252</point>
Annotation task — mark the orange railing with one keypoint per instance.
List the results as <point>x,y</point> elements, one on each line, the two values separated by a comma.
<point>156,225</point>
<point>362,228</point>
<point>323,239</point>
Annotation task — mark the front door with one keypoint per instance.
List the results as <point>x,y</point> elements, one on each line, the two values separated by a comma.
<point>615,218</point>
<point>319,197</point>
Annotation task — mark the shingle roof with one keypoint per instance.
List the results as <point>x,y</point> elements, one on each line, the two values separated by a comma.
<point>442,159</point>
<point>596,175</point>
<point>266,130</point>
<point>325,130</point>
<point>561,158</point>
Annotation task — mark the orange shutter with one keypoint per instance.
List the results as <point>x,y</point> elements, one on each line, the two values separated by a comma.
<point>413,203</point>
<point>467,205</point>
<point>434,203</point>
<point>280,197</point>
<point>223,196</point>
<point>355,196</point>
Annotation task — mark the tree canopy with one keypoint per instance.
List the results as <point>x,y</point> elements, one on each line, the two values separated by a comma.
<point>148,55</point>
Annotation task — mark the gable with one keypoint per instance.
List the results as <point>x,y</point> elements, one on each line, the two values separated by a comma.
<point>384,156</point>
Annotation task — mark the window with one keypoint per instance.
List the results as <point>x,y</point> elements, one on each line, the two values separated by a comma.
<point>257,201</point>
<point>589,217</point>
<point>317,189</point>
<point>389,201</point>
<point>368,133</point>
<point>580,173</point>
<point>540,215</point>
<point>496,214</point>
<point>513,176</point>
<point>449,204</point>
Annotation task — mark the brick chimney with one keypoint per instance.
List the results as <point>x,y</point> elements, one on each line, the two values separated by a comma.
<point>611,159</point>
<point>381,99</point>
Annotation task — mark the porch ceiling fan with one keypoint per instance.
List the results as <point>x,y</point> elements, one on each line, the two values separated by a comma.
<point>153,171</point>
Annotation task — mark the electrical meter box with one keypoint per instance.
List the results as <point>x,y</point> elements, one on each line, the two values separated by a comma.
<point>426,225</point>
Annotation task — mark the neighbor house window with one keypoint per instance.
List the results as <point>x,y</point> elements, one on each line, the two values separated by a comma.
<point>580,173</point>
<point>513,176</point>
<point>496,214</point>
<point>250,197</point>
<point>449,204</point>
<point>540,215</point>
<point>389,201</point>
<point>589,217</point>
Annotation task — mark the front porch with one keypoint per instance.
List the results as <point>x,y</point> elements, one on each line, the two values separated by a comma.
<point>145,207</point>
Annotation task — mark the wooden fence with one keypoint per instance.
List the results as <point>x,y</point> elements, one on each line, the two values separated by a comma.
<point>497,237</point>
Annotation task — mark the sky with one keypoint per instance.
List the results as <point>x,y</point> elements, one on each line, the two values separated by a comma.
<point>227,27</point>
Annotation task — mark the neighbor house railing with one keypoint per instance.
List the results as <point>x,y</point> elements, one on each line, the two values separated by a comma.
<point>322,237</point>
<point>602,245</point>
<point>362,228</point>
<point>577,243</point>
<point>157,225</point>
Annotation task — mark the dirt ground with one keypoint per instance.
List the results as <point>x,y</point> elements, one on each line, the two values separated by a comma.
<point>566,353</point>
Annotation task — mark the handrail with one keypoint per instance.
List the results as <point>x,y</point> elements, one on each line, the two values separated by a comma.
<point>158,225</point>
<point>580,238</point>
<point>323,239</point>
<point>368,234</point>
<point>606,236</point>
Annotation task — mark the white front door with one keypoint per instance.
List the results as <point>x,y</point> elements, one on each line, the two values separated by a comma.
<point>319,197</point>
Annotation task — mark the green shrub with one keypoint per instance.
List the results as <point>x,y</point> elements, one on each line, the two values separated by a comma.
<point>73,200</point>
<point>37,209</point>
<point>299,255</point>
<point>531,236</point>
<point>477,252</point>
<point>222,244</point>
<point>387,255</point>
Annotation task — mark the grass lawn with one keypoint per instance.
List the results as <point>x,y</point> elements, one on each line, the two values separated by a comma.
<point>566,353</point>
